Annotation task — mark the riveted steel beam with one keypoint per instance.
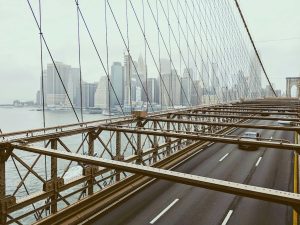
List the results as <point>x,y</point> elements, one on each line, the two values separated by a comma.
<point>219,115</point>
<point>245,111</point>
<point>213,138</point>
<point>240,125</point>
<point>268,108</point>
<point>255,192</point>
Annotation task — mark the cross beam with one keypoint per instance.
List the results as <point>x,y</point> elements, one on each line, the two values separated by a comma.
<point>245,111</point>
<point>243,107</point>
<point>237,116</point>
<point>166,133</point>
<point>244,190</point>
<point>212,138</point>
<point>241,125</point>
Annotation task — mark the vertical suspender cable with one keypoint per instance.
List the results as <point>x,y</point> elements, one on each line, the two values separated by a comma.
<point>109,83</point>
<point>99,57</point>
<point>170,56</point>
<point>79,64</point>
<point>79,61</point>
<point>180,51</point>
<point>124,42</point>
<point>52,59</point>
<point>42,86</point>
<point>106,47</point>
<point>159,59</point>
<point>188,69</point>
<point>168,49</point>
<point>195,53</point>
<point>129,60</point>
<point>42,78</point>
<point>145,64</point>
<point>179,40</point>
<point>141,29</point>
<point>42,70</point>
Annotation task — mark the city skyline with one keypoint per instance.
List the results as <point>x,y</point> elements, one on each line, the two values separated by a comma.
<point>129,85</point>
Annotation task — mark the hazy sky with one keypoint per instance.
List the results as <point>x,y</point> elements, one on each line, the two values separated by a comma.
<point>268,20</point>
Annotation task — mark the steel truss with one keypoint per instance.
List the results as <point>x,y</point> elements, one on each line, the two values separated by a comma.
<point>110,151</point>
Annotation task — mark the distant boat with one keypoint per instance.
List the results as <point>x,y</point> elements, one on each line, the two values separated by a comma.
<point>107,113</point>
<point>57,108</point>
<point>62,109</point>
<point>94,111</point>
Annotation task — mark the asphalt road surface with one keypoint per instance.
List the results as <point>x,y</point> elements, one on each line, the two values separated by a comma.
<point>169,203</point>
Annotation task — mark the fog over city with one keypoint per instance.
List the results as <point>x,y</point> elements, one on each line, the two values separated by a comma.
<point>20,50</point>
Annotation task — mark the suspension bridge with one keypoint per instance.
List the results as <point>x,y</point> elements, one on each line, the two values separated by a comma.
<point>171,154</point>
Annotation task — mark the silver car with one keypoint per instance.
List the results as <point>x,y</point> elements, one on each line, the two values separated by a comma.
<point>249,135</point>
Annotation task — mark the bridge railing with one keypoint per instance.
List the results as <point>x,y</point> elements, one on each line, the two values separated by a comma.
<point>34,186</point>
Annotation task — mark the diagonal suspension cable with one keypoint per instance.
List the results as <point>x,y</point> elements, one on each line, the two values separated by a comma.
<point>98,55</point>
<point>179,24</point>
<point>52,59</point>
<point>168,51</point>
<point>197,47</point>
<point>126,46</point>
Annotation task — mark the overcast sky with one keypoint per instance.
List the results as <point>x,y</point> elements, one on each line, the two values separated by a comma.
<point>268,20</point>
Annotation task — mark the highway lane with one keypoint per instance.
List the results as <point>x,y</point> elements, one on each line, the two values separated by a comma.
<point>168,203</point>
<point>270,175</point>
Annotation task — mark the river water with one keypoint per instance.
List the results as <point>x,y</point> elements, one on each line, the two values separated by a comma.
<point>16,119</point>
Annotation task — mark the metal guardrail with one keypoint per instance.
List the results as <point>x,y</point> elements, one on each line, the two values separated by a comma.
<point>267,194</point>
<point>129,145</point>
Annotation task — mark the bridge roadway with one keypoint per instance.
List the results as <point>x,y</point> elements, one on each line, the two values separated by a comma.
<point>168,203</point>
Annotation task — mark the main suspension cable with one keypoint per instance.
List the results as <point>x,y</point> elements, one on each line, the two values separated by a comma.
<point>254,47</point>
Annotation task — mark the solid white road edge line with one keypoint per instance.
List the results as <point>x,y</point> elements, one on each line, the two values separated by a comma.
<point>227,217</point>
<point>164,211</point>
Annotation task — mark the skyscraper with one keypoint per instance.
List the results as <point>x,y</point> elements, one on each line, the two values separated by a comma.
<point>215,85</point>
<point>140,73</point>
<point>102,94</point>
<point>88,95</point>
<point>73,85</point>
<point>134,78</point>
<point>196,93</point>
<point>56,94</point>
<point>152,91</point>
<point>242,84</point>
<point>186,84</point>
<point>117,82</point>
<point>255,84</point>
<point>127,79</point>
<point>205,78</point>
<point>165,66</point>
<point>141,67</point>
<point>171,91</point>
